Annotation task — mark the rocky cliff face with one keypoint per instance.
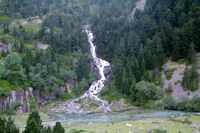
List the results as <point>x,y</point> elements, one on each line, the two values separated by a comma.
<point>28,96</point>
<point>22,96</point>
<point>25,98</point>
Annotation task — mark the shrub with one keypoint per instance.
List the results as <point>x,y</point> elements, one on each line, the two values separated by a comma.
<point>190,79</point>
<point>145,91</point>
<point>170,103</point>
<point>8,126</point>
<point>186,104</point>
<point>169,73</point>
<point>13,107</point>
<point>187,121</point>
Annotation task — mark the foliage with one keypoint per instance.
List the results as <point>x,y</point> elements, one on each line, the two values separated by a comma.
<point>31,127</point>
<point>169,73</point>
<point>8,126</point>
<point>34,125</point>
<point>34,118</point>
<point>186,104</point>
<point>144,91</point>
<point>187,121</point>
<point>190,79</point>
<point>13,107</point>
<point>58,128</point>
<point>13,71</point>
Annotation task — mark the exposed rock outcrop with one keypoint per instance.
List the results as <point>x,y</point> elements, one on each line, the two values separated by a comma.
<point>5,47</point>
<point>177,89</point>
<point>140,6</point>
<point>70,84</point>
<point>25,98</point>
<point>42,46</point>
<point>22,96</point>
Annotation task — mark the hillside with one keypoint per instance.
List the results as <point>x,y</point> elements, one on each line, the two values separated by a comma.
<point>45,54</point>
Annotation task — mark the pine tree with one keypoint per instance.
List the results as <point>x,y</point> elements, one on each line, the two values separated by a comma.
<point>47,130</point>
<point>191,54</point>
<point>36,117</point>
<point>2,125</point>
<point>58,128</point>
<point>32,127</point>
<point>10,126</point>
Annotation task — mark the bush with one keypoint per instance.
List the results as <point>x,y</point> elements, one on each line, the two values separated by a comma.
<point>170,103</point>
<point>187,121</point>
<point>186,104</point>
<point>8,126</point>
<point>190,79</point>
<point>145,91</point>
<point>169,73</point>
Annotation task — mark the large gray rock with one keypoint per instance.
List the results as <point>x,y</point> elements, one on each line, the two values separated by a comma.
<point>194,125</point>
<point>196,131</point>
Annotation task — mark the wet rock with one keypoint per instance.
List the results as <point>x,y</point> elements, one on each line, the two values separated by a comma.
<point>107,70</point>
<point>94,69</point>
<point>193,126</point>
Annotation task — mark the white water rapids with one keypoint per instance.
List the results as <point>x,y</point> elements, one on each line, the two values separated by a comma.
<point>96,86</point>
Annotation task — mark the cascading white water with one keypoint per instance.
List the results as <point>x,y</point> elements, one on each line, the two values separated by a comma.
<point>96,86</point>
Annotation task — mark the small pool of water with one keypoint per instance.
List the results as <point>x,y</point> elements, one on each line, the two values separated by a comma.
<point>121,116</point>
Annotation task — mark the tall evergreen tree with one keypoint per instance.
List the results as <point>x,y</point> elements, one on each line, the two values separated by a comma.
<point>58,128</point>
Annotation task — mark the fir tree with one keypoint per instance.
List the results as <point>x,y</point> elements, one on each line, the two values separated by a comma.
<point>32,127</point>
<point>58,128</point>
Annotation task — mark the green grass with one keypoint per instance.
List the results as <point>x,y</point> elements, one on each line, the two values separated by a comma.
<point>151,104</point>
<point>32,27</point>
<point>110,95</point>
<point>169,73</point>
<point>4,19</point>
<point>141,126</point>
<point>92,106</point>
<point>20,119</point>
<point>6,86</point>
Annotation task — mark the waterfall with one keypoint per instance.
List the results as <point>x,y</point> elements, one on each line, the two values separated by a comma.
<point>96,86</point>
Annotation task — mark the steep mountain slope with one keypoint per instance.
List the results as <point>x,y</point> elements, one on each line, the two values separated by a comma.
<point>49,52</point>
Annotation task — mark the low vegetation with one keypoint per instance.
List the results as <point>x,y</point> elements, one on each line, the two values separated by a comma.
<point>186,104</point>
<point>145,91</point>
<point>191,79</point>
<point>169,73</point>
